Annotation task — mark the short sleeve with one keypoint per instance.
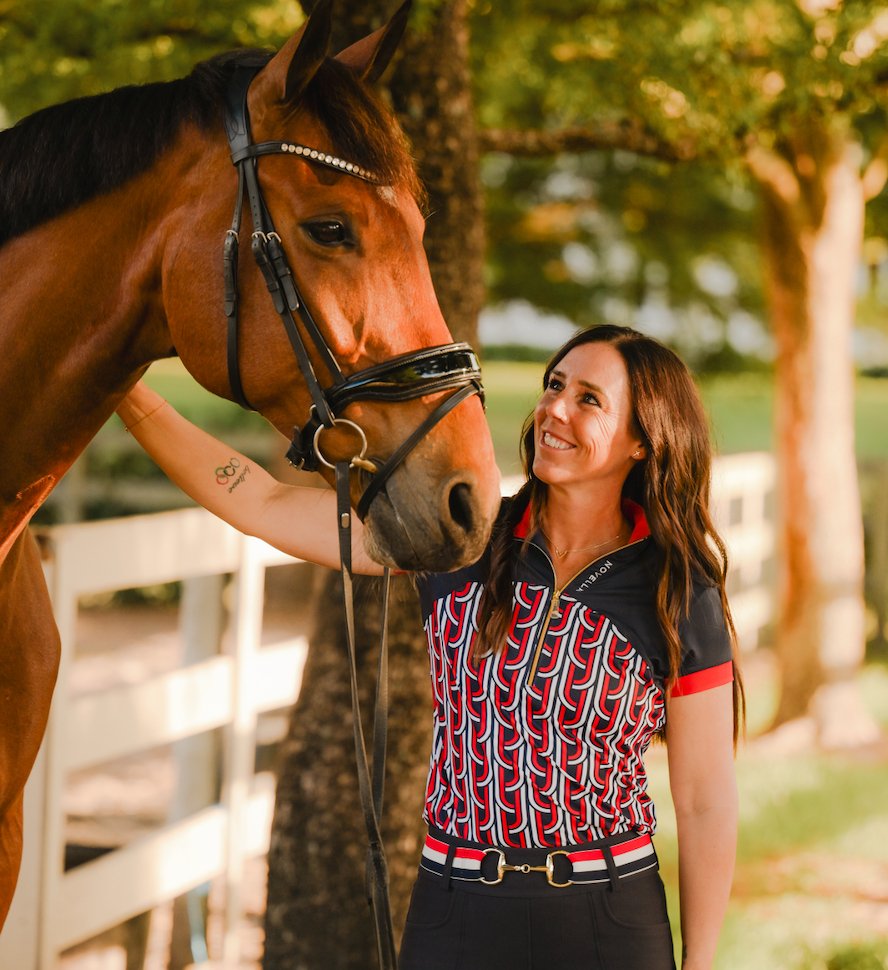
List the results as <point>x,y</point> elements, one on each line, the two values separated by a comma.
<point>706,659</point>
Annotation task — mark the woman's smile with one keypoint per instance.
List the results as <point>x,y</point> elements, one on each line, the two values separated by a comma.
<point>551,441</point>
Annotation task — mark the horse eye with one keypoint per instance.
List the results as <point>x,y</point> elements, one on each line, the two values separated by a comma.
<point>330,232</point>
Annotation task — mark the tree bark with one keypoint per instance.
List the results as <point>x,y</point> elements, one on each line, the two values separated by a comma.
<point>317,917</point>
<point>432,94</point>
<point>813,209</point>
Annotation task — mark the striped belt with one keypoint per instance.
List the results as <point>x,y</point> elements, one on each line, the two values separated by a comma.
<point>570,866</point>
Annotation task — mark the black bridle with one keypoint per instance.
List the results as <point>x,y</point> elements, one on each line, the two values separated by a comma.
<point>430,370</point>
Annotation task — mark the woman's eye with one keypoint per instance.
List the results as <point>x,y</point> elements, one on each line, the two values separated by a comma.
<point>329,232</point>
<point>590,399</point>
<point>553,384</point>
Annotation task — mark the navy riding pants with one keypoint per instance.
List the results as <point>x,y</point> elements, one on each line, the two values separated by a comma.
<point>525,924</point>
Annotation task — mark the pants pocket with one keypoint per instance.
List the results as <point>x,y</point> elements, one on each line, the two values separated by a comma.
<point>431,931</point>
<point>639,903</point>
<point>633,925</point>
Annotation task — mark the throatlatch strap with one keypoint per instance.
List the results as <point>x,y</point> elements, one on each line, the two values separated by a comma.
<point>369,788</point>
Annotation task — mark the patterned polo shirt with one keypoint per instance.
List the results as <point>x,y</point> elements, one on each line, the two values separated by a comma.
<point>542,743</point>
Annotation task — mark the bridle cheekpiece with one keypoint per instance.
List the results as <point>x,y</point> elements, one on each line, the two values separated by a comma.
<point>429,370</point>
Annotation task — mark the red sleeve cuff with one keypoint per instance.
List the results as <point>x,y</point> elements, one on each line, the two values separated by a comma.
<point>703,680</point>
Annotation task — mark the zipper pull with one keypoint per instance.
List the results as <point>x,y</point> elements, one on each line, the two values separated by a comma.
<point>556,604</point>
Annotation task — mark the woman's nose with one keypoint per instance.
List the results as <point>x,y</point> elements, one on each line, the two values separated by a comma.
<point>557,409</point>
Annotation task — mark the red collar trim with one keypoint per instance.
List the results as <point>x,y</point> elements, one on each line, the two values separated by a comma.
<point>635,514</point>
<point>523,527</point>
<point>632,510</point>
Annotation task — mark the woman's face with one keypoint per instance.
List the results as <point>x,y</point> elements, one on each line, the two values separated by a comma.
<point>583,424</point>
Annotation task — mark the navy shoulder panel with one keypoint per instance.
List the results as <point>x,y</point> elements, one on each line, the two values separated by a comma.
<point>705,640</point>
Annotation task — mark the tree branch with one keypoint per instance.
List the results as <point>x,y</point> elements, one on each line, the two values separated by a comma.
<point>775,173</point>
<point>875,175</point>
<point>625,136</point>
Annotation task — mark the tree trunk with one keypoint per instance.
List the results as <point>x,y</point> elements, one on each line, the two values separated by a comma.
<point>814,205</point>
<point>317,917</point>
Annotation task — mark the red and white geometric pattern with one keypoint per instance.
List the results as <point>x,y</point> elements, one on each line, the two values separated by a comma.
<point>543,762</point>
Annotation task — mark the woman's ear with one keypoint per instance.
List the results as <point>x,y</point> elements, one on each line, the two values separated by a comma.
<point>640,452</point>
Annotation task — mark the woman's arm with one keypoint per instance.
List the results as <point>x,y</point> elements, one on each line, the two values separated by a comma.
<point>700,744</point>
<point>297,520</point>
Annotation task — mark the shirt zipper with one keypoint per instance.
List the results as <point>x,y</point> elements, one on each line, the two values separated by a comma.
<point>555,605</point>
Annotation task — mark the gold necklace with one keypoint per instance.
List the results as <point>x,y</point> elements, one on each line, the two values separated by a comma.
<point>561,553</point>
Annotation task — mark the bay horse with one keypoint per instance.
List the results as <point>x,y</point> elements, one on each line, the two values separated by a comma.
<point>113,214</point>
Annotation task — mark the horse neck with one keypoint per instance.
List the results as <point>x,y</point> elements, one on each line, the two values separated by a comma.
<point>83,317</point>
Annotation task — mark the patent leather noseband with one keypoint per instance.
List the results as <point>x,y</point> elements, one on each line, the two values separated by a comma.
<point>430,370</point>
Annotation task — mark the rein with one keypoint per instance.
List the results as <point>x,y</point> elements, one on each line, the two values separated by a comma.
<point>430,370</point>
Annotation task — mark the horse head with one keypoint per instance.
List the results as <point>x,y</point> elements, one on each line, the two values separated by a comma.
<point>333,172</point>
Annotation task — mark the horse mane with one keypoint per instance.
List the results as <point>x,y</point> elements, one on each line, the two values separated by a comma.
<point>60,157</point>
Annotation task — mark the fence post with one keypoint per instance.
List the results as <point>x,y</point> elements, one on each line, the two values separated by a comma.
<point>65,607</point>
<point>201,622</point>
<point>241,740</point>
<point>877,548</point>
<point>20,939</point>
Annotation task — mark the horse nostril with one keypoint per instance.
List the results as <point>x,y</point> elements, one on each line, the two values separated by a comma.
<point>460,506</point>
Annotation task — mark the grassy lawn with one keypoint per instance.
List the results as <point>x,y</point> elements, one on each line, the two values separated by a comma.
<point>740,409</point>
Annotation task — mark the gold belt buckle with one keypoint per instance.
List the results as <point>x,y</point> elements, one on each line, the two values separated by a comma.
<point>502,867</point>
<point>550,869</point>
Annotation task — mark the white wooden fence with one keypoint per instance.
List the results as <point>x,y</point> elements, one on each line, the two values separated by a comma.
<point>54,909</point>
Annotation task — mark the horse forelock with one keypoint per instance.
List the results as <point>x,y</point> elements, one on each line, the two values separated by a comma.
<point>361,127</point>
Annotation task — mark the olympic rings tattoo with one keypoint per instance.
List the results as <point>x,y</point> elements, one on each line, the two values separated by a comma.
<point>224,472</point>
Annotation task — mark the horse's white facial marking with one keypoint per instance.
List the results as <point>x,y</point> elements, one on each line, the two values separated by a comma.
<point>387,194</point>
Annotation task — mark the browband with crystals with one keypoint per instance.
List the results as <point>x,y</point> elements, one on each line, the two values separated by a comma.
<point>312,154</point>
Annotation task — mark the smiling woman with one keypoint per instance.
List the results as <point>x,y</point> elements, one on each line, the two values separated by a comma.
<point>596,621</point>
<point>586,431</point>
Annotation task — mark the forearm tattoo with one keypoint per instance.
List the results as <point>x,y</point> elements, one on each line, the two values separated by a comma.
<point>231,474</point>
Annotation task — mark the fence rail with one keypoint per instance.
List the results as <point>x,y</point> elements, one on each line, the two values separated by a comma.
<point>54,909</point>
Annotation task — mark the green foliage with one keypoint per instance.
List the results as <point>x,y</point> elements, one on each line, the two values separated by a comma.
<point>622,239</point>
<point>712,77</point>
<point>59,49</point>
<point>711,70</point>
<point>857,956</point>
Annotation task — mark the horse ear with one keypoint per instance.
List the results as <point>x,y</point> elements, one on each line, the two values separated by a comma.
<point>370,57</point>
<point>297,62</point>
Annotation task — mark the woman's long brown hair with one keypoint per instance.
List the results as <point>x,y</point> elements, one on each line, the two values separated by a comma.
<point>671,484</point>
